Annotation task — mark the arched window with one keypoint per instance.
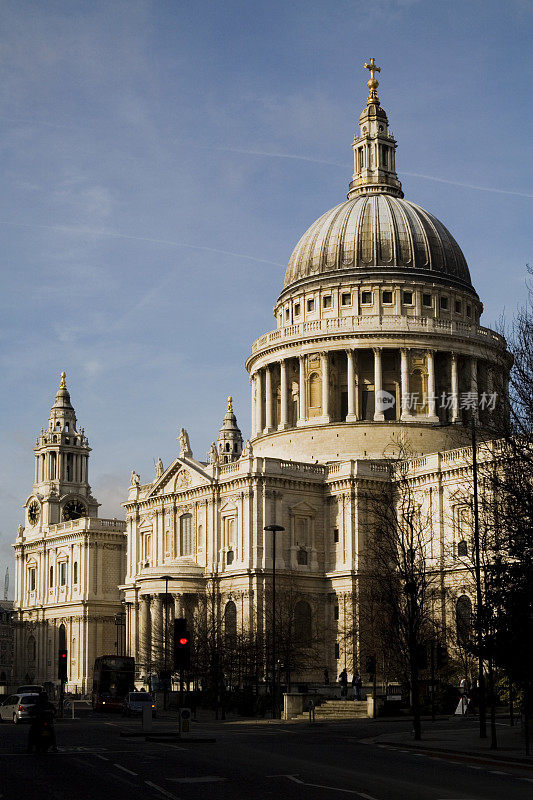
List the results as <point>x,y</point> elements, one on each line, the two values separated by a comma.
<point>302,623</point>
<point>230,623</point>
<point>31,649</point>
<point>227,447</point>
<point>315,394</point>
<point>463,619</point>
<point>66,427</point>
<point>58,428</point>
<point>301,557</point>
<point>75,573</point>
<point>186,534</point>
<point>62,637</point>
<point>462,549</point>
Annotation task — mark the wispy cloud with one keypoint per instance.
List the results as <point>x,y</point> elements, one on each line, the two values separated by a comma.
<point>266,154</point>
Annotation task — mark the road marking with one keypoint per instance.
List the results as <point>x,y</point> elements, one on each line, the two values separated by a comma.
<point>102,758</point>
<point>160,789</point>
<point>200,779</point>
<point>497,772</point>
<point>125,769</point>
<point>175,747</point>
<point>294,779</point>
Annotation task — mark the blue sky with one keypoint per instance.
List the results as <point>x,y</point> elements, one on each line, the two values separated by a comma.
<point>160,160</point>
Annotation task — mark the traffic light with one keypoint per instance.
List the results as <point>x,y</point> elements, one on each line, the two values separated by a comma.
<point>182,644</point>
<point>62,664</point>
<point>371,665</point>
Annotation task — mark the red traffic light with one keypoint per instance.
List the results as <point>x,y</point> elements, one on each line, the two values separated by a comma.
<point>63,654</point>
<point>183,640</point>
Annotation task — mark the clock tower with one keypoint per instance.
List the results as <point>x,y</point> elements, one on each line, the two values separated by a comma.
<point>61,491</point>
<point>69,562</point>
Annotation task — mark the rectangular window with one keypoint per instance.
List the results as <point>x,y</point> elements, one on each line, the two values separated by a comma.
<point>186,534</point>
<point>63,573</point>
<point>51,581</point>
<point>287,313</point>
<point>32,580</point>
<point>311,305</point>
<point>426,300</point>
<point>468,311</point>
<point>336,612</point>
<point>458,307</point>
<point>297,310</point>
<point>337,650</point>
<point>327,301</point>
<point>75,573</point>
<point>366,298</point>
<point>444,303</point>
<point>387,297</point>
<point>336,535</point>
<point>408,298</point>
<point>346,298</point>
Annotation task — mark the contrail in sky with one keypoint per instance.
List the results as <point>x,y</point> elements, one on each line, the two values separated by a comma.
<point>81,230</point>
<point>343,166</point>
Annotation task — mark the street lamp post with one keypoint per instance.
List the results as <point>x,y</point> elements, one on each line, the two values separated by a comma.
<point>479,597</point>
<point>274,529</point>
<point>166,578</point>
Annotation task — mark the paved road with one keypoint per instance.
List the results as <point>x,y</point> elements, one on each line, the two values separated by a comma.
<point>247,761</point>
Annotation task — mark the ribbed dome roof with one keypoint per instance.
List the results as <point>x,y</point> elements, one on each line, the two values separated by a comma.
<point>378,230</point>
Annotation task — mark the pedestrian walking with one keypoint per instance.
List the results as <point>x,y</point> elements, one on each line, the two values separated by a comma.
<point>343,680</point>
<point>357,684</point>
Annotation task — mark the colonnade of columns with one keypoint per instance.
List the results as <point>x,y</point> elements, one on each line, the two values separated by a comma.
<point>52,465</point>
<point>265,418</point>
<point>146,627</point>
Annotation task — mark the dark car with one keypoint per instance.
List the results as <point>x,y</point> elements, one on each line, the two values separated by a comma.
<point>135,702</point>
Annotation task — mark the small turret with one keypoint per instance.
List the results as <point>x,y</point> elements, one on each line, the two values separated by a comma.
<point>229,441</point>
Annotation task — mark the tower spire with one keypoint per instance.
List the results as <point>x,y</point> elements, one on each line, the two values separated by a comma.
<point>374,147</point>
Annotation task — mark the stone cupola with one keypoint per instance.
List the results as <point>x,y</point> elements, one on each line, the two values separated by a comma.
<point>229,441</point>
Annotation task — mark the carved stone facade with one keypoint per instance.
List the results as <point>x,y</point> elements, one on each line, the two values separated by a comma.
<point>69,563</point>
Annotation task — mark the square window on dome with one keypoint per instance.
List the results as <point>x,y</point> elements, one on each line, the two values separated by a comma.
<point>426,300</point>
<point>444,303</point>
<point>387,297</point>
<point>297,310</point>
<point>311,305</point>
<point>287,313</point>
<point>327,301</point>
<point>458,307</point>
<point>408,298</point>
<point>346,298</point>
<point>468,311</point>
<point>366,298</point>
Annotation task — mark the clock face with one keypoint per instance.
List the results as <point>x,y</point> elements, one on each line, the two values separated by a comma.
<point>34,512</point>
<point>73,509</point>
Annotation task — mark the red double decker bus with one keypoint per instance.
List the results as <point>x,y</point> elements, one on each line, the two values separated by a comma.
<point>113,678</point>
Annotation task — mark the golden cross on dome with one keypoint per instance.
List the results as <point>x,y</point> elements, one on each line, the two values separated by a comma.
<point>230,405</point>
<point>63,384</point>
<point>373,83</point>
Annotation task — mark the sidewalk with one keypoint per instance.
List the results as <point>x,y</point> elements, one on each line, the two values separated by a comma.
<point>461,741</point>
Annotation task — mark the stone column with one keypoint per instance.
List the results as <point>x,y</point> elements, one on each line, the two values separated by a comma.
<point>379,416</point>
<point>269,422</point>
<point>157,629</point>
<point>145,636</point>
<point>258,403</point>
<point>284,417</point>
<point>252,386</point>
<point>406,414</point>
<point>432,404</point>
<point>454,389</point>
<point>351,415</point>
<point>325,387</point>
<point>301,391</point>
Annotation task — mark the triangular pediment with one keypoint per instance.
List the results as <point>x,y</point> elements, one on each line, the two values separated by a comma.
<point>183,474</point>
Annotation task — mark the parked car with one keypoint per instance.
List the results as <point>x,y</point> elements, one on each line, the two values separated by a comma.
<point>18,707</point>
<point>135,702</point>
<point>30,688</point>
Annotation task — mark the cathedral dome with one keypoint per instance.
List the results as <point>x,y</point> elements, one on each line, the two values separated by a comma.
<point>378,233</point>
